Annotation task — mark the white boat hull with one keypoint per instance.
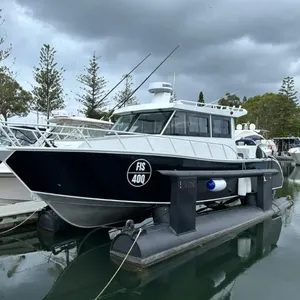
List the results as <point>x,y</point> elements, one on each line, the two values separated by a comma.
<point>295,154</point>
<point>92,213</point>
<point>11,189</point>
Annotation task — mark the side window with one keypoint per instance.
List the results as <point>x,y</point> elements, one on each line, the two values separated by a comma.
<point>221,127</point>
<point>198,125</point>
<point>177,125</point>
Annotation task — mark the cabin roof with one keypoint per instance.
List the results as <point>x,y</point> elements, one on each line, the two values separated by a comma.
<point>246,132</point>
<point>192,106</point>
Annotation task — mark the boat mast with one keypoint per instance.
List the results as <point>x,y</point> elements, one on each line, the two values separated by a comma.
<point>121,103</point>
<point>123,79</point>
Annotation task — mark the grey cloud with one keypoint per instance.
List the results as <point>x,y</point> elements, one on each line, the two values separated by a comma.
<point>210,57</point>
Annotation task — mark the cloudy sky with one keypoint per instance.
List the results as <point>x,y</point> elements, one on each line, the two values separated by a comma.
<point>226,45</point>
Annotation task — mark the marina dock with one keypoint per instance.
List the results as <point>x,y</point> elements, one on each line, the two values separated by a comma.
<point>284,158</point>
<point>14,214</point>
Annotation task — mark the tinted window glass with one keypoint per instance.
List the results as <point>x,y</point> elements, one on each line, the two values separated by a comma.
<point>177,125</point>
<point>123,122</point>
<point>190,124</point>
<point>151,123</point>
<point>221,127</point>
<point>198,125</point>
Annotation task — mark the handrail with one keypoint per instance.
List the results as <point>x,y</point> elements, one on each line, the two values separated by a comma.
<point>209,105</point>
<point>218,174</point>
<point>76,132</point>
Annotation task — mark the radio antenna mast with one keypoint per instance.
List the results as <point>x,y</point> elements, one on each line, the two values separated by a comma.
<point>120,104</point>
<point>173,86</point>
<point>174,80</point>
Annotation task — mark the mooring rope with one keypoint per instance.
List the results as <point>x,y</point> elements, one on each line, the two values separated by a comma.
<point>117,271</point>
<point>13,228</point>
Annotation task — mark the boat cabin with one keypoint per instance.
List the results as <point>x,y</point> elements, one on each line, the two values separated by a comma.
<point>180,118</point>
<point>284,144</point>
<point>22,135</point>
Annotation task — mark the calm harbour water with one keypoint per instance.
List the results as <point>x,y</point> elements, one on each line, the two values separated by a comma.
<point>36,265</point>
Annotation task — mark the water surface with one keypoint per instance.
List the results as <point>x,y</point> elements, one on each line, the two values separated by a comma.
<point>36,265</point>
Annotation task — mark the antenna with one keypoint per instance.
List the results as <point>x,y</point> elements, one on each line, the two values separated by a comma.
<point>174,82</point>
<point>124,101</point>
<point>123,79</point>
<point>226,96</point>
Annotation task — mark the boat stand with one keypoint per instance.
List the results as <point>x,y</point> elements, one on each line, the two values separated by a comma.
<point>181,229</point>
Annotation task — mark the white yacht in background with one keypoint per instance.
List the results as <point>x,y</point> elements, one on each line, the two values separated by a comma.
<point>295,154</point>
<point>249,131</point>
<point>65,130</point>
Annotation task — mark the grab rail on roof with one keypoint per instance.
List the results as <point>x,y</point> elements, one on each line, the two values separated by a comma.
<point>209,105</point>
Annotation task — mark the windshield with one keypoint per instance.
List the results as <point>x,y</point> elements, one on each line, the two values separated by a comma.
<point>25,136</point>
<point>149,123</point>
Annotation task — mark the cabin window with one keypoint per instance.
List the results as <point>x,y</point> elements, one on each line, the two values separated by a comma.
<point>221,127</point>
<point>150,123</point>
<point>188,124</point>
<point>123,123</point>
<point>198,125</point>
<point>177,125</point>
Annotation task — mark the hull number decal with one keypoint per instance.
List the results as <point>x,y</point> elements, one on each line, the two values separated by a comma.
<point>139,172</point>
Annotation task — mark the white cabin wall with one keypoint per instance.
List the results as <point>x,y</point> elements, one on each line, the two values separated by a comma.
<point>193,147</point>
<point>232,128</point>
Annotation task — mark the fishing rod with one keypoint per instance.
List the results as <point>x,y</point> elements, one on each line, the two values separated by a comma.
<point>121,103</point>
<point>123,79</point>
<point>225,97</point>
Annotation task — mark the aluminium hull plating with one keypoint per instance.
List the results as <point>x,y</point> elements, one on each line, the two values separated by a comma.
<point>91,213</point>
<point>90,189</point>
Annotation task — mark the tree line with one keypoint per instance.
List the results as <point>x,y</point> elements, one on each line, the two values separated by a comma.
<point>277,112</point>
<point>47,93</point>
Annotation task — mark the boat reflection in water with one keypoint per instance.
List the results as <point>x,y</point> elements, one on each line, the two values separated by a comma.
<point>287,168</point>
<point>294,175</point>
<point>205,273</point>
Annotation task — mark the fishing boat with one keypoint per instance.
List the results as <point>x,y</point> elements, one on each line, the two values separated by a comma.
<point>109,179</point>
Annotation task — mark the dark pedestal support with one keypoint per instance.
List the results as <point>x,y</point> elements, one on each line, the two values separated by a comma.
<point>183,204</point>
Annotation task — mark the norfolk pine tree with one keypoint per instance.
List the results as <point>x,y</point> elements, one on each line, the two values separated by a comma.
<point>124,96</point>
<point>48,92</point>
<point>201,98</point>
<point>288,89</point>
<point>93,89</point>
